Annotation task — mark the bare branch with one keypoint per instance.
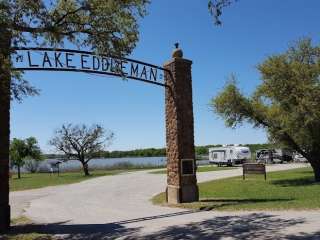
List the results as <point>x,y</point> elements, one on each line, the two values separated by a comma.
<point>80,141</point>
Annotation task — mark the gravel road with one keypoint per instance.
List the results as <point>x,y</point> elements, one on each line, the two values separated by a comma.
<point>119,207</point>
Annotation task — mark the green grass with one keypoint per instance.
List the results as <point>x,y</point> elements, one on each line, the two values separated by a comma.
<point>27,236</point>
<point>206,168</point>
<point>39,180</point>
<point>293,189</point>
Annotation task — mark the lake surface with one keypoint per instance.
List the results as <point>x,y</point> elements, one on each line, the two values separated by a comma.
<point>102,163</point>
<point>112,162</point>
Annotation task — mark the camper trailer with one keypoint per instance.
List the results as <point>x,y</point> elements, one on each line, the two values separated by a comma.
<point>229,155</point>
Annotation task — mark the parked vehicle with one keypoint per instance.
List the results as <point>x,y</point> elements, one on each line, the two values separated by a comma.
<point>297,157</point>
<point>229,155</point>
<point>264,156</point>
<point>279,155</point>
<point>283,154</point>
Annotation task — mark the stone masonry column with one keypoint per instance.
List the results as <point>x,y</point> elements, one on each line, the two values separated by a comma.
<point>5,79</point>
<point>181,165</point>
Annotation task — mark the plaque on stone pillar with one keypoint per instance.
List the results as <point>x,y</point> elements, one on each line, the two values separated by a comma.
<point>187,167</point>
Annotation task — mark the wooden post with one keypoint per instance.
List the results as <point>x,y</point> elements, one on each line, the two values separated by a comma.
<point>243,174</point>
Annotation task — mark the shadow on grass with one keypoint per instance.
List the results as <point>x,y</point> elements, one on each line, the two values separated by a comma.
<point>304,181</point>
<point>243,227</point>
<point>219,203</point>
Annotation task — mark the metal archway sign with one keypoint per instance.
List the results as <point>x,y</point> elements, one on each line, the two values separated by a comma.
<point>175,76</point>
<point>50,59</point>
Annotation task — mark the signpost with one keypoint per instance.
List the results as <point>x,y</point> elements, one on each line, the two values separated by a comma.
<point>254,168</point>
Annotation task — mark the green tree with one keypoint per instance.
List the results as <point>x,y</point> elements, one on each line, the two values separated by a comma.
<point>22,151</point>
<point>104,26</point>
<point>286,104</point>
<point>80,142</point>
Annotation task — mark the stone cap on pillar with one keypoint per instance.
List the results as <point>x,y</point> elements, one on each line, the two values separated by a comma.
<point>177,52</point>
<point>177,56</point>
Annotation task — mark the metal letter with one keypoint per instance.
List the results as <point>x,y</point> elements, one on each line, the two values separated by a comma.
<point>144,72</point>
<point>105,64</point>
<point>30,64</point>
<point>83,61</point>
<point>153,74</point>
<point>57,59</point>
<point>68,60</point>
<point>112,67</point>
<point>123,67</point>
<point>94,60</point>
<point>134,70</point>
<point>46,59</point>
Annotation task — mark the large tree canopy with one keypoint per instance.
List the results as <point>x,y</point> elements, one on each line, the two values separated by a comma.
<point>286,103</point>
<point>104,26</point>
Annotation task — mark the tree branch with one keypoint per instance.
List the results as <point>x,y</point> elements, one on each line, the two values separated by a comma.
<point>48,29</point>
<point>57,23</point>
<point>286,136</point>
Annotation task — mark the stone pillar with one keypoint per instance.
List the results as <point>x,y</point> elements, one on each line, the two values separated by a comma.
<point>181,165</point>
<point>5,78</point>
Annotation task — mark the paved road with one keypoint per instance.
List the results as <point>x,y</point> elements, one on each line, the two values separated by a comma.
<point>118,206</point>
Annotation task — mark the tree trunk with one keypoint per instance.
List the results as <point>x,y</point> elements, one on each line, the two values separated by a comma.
<point>85,168</point>
<point>5,82</point>
<point>19,171</point>
<point>315,164</point>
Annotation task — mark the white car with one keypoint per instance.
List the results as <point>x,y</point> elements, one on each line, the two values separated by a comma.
<point>299,158</point>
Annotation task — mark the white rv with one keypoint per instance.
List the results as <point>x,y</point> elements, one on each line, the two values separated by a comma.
<point>229,155</point>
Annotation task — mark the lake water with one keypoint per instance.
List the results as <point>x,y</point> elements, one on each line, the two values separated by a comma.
<point>109,162</point>
<point>102,163</point>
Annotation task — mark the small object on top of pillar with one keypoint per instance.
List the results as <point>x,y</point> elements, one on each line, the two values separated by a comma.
<point>177,52</point>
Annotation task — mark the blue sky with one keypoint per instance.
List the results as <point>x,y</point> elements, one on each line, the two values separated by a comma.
<point>251,31</point>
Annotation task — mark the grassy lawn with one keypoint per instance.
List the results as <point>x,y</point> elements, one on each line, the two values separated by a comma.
<point>293,189</point>
<point>206,168</point>
<point>26,236</point>
<point>29,236</point>
<point>39,180</point>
